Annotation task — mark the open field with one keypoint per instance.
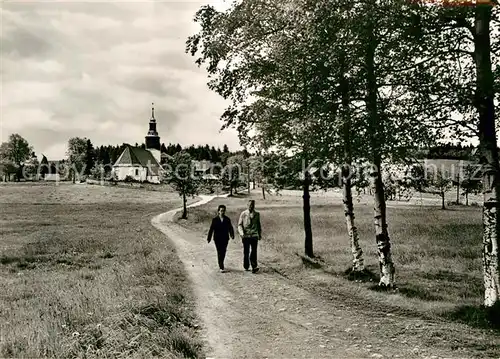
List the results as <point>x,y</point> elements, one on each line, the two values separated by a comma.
<point>437,256</point>
<point>84,274</point>
<point>417,198</point>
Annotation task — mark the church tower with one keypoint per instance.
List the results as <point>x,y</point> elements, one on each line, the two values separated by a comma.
<point>152,138</point>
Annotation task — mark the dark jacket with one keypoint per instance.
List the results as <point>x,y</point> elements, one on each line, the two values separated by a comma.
<point>221,230</point>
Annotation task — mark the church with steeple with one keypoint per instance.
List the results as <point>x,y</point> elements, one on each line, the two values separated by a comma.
<point>152,138</point>
<point>142,164</point>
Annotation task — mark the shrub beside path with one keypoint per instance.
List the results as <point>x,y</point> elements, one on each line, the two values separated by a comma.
<point>265,315</point>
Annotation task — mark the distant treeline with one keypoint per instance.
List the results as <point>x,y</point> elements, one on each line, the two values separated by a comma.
<point>109,154</point>
<point>447,151</point>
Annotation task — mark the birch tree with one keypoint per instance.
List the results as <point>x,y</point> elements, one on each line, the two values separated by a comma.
<point>284,81</point>
<point>484,103</point>
<point>331,30</point>
<point>467,82</point>
<point>381,55</point>
<point>279,116</point>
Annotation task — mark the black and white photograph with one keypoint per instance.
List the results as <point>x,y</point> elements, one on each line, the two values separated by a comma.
<point>250,179</point>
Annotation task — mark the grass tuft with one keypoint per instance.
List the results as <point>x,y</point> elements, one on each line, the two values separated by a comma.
<point>184,345</point>
<point>477,316</point>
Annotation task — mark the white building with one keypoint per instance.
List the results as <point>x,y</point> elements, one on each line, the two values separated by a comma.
<point>141,164</point>
<point>207,169</point>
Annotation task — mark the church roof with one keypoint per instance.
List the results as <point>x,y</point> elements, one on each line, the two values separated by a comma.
<point>137,156</point>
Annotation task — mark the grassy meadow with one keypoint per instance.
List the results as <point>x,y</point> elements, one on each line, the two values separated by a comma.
<point>437,254</point>
<point>84,274</point>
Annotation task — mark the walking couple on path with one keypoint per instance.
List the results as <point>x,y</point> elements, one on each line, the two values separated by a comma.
<point>249,230</point>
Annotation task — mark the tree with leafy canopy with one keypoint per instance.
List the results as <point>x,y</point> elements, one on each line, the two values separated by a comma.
<point>262,171</point>
<point>90,157</point>
<point>77,152</point>
<point>180,175</point>
<point>439,182</point>
<point>259,172</point>
<point>395,123</point>
<point>44,167</point>
<point>7,167</point>
<point>279,116</point>
<point>282,114</point>
<point>15,153</point>
<point>286,87</point>
<point>471,183</point>
<point>30,168</point>
<point>231,174</point>
<point>462,51</point>
<point>335,78</point>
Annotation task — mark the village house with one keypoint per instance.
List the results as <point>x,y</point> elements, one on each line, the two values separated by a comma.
<point>54,171</point>
<point>207,170</point>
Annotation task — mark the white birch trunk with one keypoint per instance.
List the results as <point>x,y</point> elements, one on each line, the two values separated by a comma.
<point>488,144</point>
<point>376,138</point>
<point>357,252</point>
<point>490,240</point>
<point>381,234</point>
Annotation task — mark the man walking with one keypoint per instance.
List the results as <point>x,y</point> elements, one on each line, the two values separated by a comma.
<point>250,231</point>
<point>222,229</point>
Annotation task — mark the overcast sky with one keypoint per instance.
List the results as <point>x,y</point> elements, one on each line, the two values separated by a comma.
<point>92,69</point>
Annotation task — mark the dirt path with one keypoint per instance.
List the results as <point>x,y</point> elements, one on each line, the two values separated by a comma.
<point>264,315</point>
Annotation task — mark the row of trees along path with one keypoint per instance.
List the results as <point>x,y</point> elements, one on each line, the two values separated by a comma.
<point>354,81</point>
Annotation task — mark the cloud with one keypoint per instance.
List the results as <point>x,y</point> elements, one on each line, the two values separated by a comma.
<point>30,118</point>
<point>24,44</point>
<point>17,93</point>
<point>93,70</point>
<point>53,151</point>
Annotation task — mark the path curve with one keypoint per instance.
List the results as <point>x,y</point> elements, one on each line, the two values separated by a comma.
<point>265,315</point>
<point>241,315</point>
<point>210,300</point>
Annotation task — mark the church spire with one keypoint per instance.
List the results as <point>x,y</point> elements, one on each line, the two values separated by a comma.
<point>152,138</point>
